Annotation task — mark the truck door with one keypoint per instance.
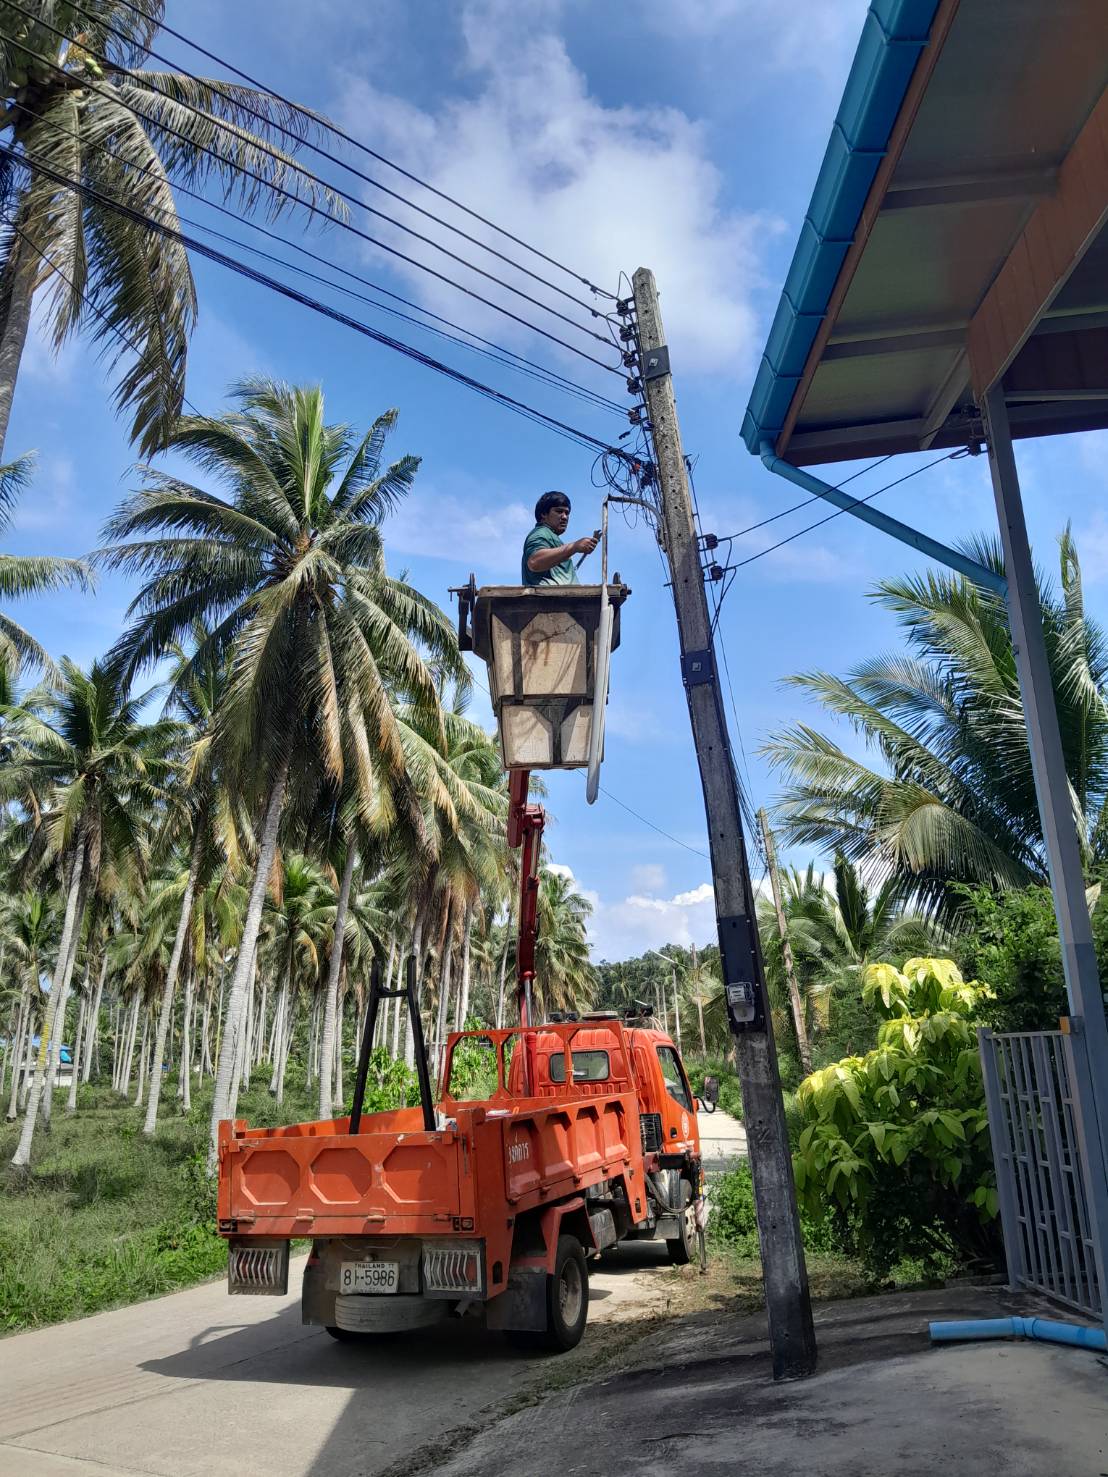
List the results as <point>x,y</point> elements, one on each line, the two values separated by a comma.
<point>677,1110</point>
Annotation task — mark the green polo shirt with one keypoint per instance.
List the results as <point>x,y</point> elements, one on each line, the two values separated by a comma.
<point>542,537</point>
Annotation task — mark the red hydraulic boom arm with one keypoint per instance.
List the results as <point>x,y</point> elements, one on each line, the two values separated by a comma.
<point>525,827</point>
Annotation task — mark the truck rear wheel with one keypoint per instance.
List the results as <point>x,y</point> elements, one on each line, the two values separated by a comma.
<point>567,1302</point>
<point>682,1248</point>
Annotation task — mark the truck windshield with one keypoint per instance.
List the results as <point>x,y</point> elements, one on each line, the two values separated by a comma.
<point>588,1066</point>
<point>673,1077</point>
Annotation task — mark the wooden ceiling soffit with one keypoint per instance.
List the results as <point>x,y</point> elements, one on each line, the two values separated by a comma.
<point>1048,249</point>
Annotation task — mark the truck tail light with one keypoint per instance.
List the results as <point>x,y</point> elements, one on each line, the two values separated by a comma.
<point>457,1269</point>
<point>258,1268</point>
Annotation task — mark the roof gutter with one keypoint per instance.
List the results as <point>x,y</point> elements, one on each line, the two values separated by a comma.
<point>893,37</point>
<point>980,574</point>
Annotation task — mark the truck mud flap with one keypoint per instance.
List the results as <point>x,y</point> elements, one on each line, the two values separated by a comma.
<point>257,1267</point>
<point>522,1305</point>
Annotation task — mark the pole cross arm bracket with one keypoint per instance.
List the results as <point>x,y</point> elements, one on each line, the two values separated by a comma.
<point>987,578</point>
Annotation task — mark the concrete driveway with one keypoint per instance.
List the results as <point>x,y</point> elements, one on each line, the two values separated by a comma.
<point>199,1384</point>
<point>722,1140</point>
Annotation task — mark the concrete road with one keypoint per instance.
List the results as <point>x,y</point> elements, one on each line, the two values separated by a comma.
<point>722,1140</point>
<point>198,1384</point>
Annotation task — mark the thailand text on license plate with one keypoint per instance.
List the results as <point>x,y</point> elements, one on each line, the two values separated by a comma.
<point>369,1277</point>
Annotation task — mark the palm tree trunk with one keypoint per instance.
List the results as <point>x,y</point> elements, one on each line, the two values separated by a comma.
<point>54,1055</point>
<point>247,1051</point>
<point>503,979</point>
<point>334,964</point>
<point>446,975</point>
<point>417,951</point>
<point>92,1027</point>
<point>165,1012</point>
<point>278,1035</point>
<point>71,926</point>
<point>463,1001</point>
<point>22,1027</point>
<point>338,1096</point>
<point>184,1081</point>
<point>381,1031</point>
<point>17,286</point>
<point>142,1057</point>
<point>78,1046</point>
<point>124,1088</point>
<point>245,962</point>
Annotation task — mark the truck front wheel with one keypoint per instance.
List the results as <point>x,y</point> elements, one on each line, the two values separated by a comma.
<point>567,1302</point>
<point>682,1247</point>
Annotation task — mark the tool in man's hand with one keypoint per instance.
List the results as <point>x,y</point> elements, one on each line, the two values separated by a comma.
<point>596,535</point>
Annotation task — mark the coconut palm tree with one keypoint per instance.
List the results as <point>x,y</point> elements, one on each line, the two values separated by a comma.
<point>837,925</point>
<point>564,976</point>
<point>301,912</point>
<point>952,797</point>
<point>288,573</point>
<point>82,735</point>
<point>27,574</point>
<point>79,104</point>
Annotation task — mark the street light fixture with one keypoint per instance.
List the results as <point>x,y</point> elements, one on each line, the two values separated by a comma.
<point>676,1009</point>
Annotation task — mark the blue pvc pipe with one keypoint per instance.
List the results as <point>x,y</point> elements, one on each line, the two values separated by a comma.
<point>1044,1330</point>
<point>980,574</point>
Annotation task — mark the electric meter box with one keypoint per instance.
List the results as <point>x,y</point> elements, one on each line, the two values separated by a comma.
<point>539,644</point>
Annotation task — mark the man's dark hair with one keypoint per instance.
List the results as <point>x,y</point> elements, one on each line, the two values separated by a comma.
<point>548,501</point>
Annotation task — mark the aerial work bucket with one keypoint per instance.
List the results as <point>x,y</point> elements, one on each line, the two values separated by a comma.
<point>547,648</point>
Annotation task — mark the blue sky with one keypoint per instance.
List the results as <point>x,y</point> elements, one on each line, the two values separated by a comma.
<point>685,138</point>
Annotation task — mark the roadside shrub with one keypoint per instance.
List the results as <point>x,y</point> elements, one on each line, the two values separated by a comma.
<point>894,1146</point>
<point>730,1094</point>
<point>732,1221</point>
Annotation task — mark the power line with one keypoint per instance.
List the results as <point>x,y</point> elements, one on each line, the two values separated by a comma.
<point>857,502</point>
<point>582,438</point>
<point>527,366</point>
<point>307,205</point>
<point>302,138</point>
<point>370,153</point>
<point>287,163</point>
<point>621,803</point>
<point>804,503</point>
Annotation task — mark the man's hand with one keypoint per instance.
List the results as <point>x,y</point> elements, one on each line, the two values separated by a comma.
<point>585,545</point>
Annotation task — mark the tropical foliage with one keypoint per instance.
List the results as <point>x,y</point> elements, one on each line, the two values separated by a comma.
<point>96,129</point>
<point>894,1145</point>
<point>952,799</point>
<point>207,888</point>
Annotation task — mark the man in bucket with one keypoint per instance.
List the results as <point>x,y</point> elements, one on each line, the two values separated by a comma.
<point>546,559</point>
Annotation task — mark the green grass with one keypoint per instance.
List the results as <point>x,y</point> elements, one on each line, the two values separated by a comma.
<point>106,1217</point>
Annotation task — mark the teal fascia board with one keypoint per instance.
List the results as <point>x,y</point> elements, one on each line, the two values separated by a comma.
<point>894,34</point>
<point>980,574</point>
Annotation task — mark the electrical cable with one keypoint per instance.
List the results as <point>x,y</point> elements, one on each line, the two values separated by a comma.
<point>814,497</point>
<point>857,502</point>
<point>304,141</point>
<point>365,149</point>
<point>123,338</point>
<point>572,433</point>
<point>524,366</point>
<point>306,205</point>
<point>621,803</point>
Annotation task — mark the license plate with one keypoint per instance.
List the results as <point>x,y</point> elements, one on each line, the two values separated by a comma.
<point>369,1277</point>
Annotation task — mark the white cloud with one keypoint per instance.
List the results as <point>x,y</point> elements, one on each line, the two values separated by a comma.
<point>818,35</point>
<point>444,526</point>
<point>649,877</point>
<point>605,189</point>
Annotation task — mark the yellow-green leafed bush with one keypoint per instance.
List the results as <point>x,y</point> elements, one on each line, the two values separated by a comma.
<point>894,1145</point>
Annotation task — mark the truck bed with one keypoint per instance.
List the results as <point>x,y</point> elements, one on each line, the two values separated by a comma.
<point>395,1178</point>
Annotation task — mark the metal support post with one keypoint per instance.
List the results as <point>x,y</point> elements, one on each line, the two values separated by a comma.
<point>1063,851</point>
<point>788,1303</point>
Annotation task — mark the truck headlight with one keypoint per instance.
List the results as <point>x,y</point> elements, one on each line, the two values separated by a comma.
<point>454,1268</point>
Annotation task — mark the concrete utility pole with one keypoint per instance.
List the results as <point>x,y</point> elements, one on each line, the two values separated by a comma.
<point>786,948</point>
<point>788,1303</point>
